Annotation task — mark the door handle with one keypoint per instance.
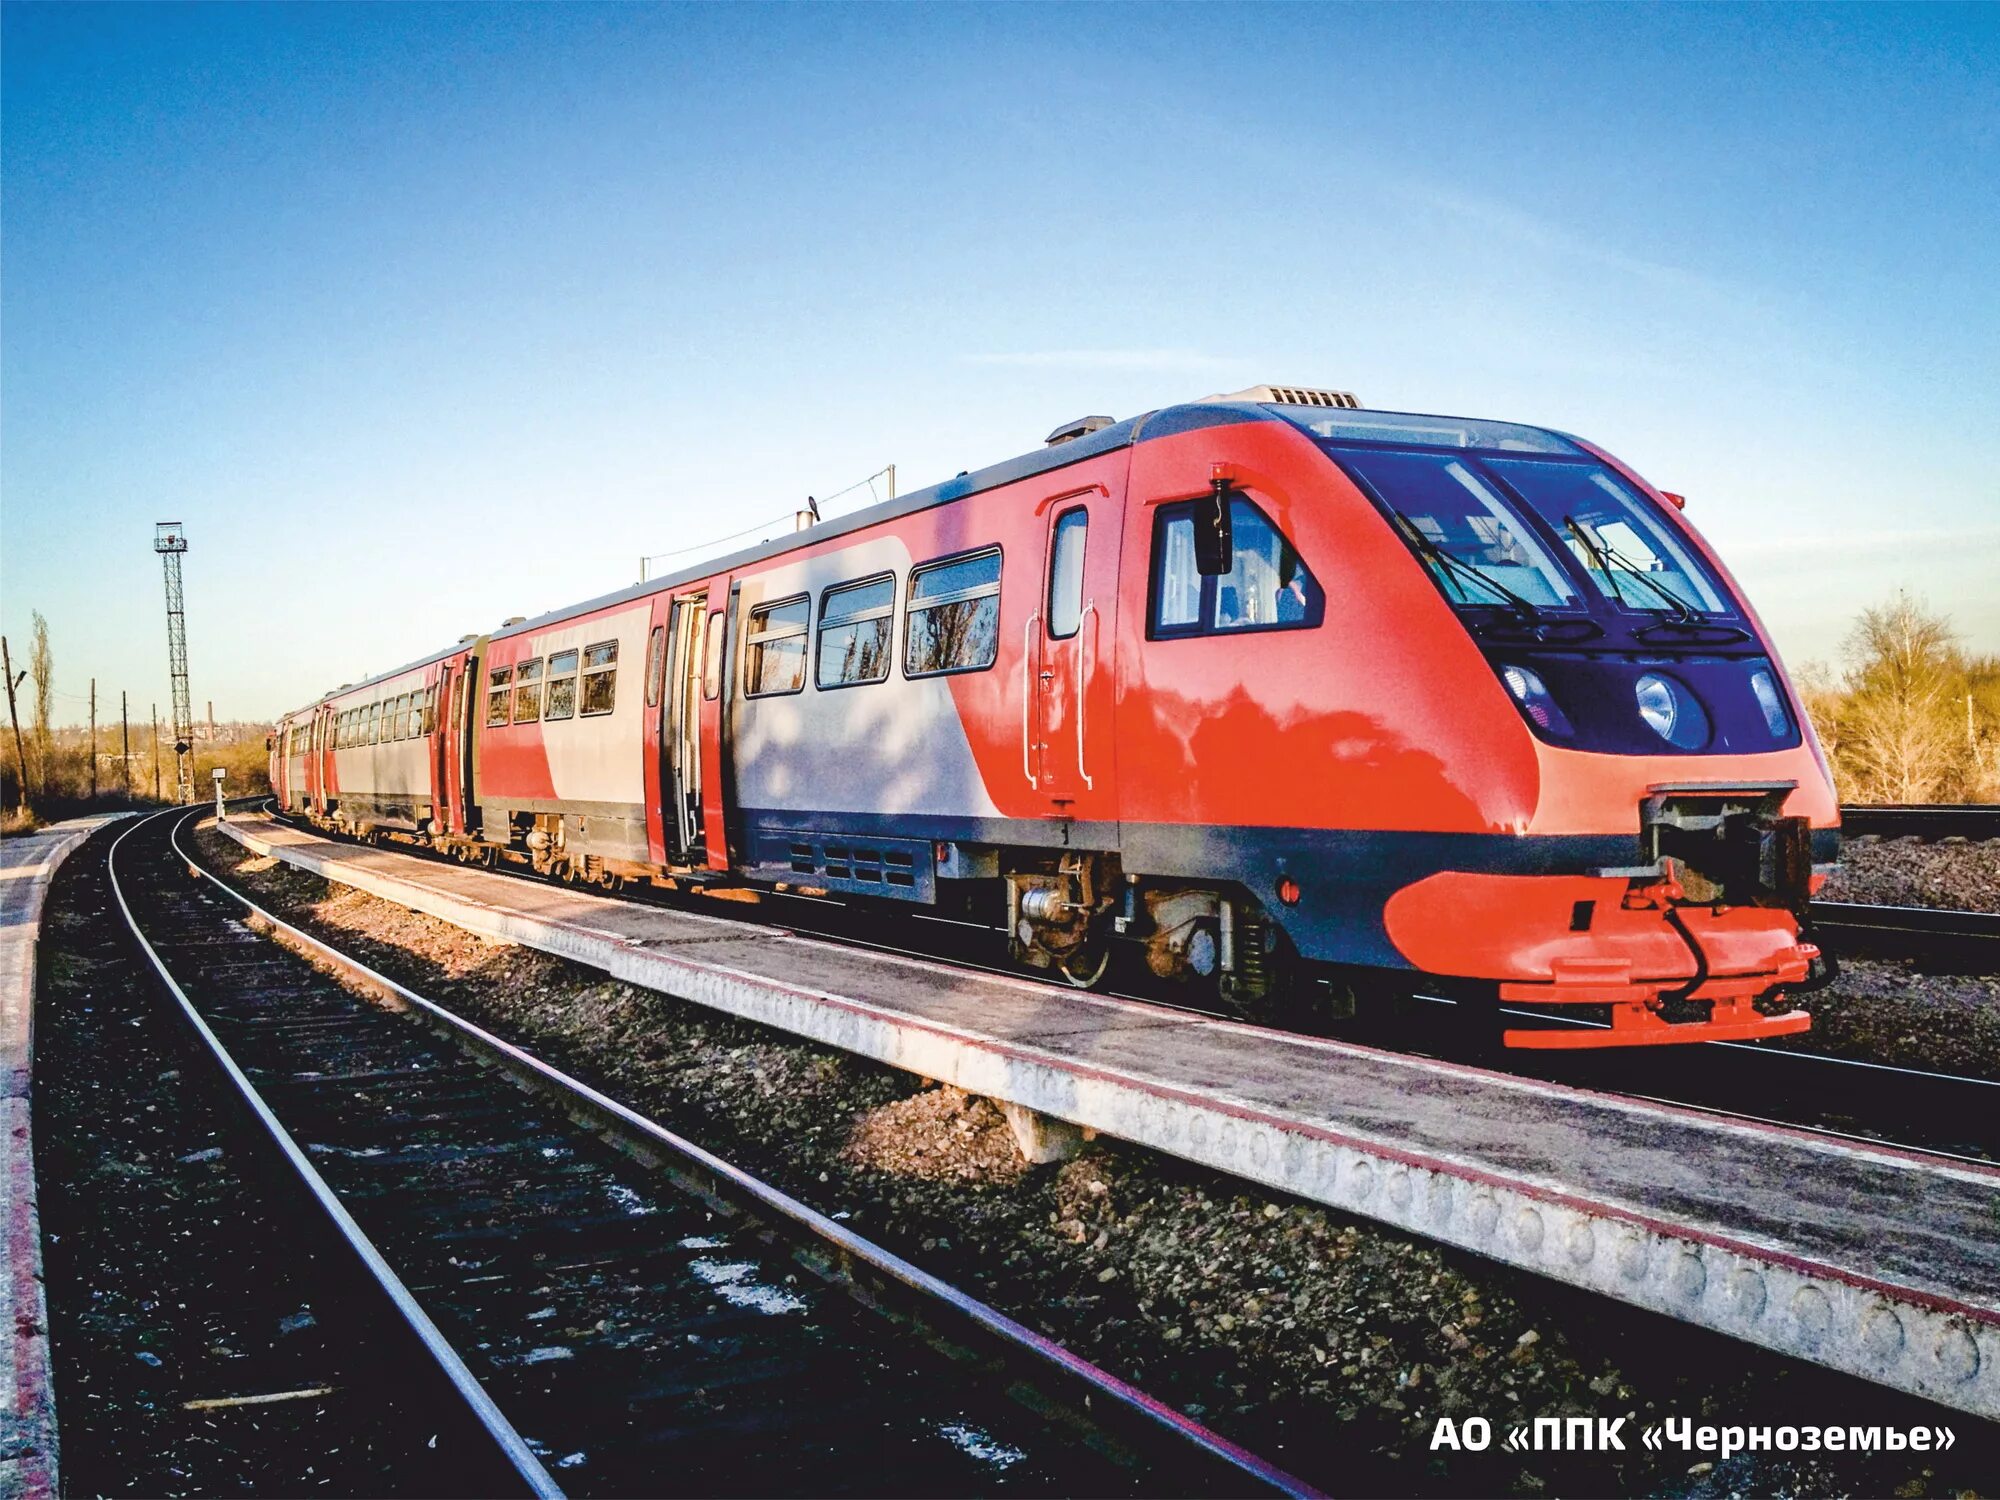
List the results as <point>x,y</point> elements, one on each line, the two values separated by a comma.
<point>1028,700</point>
<point>1083,638</point>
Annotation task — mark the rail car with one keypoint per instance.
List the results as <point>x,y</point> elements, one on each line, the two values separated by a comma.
<point>1284,696</point>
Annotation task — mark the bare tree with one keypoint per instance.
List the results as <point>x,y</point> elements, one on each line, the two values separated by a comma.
<point>41,667</point>
<point>1900,734</point>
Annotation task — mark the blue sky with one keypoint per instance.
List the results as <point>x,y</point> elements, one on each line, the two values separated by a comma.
<point>420,317</point>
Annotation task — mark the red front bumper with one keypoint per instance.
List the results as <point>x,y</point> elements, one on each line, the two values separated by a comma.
<point>1589,940</point>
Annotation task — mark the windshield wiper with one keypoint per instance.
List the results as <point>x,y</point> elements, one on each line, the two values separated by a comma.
<point>1431,550</point>
<point>1604,555</point>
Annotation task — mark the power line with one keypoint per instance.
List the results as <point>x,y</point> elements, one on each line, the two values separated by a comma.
<point>888,471</point>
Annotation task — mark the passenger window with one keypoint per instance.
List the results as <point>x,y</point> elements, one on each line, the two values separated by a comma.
<point>413,722</point>
<point>497,693</point>
<point>656,664</point>
<point>1066,572</point>
<point>429,722</point>
<point>777,660</point>
<point>528,691</point>
<point>1269,586</point>
<point>600,677</point>
<point>954,616</point>
<point>856,622</point>
<point>711,673</point>
<point>562,686</point>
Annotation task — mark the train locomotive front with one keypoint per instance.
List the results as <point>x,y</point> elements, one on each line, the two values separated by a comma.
<point>1653,838</point>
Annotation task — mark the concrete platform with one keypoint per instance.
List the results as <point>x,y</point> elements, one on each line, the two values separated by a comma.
<point>1881,1263</point>
<point>28,1448</point>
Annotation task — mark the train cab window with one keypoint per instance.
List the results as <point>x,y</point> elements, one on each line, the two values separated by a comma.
<point>954,615</point>
<point>656,664</point>
<point>856,621</point>
<point>777,658</point>
<point>429,720</point>
<point>562,686</point>
<point>497,694</point>
<point>528,691</point>
<point>1066,572</point>
<point>600,677</point>
<point>711,670</point>
<point>1268,588</point>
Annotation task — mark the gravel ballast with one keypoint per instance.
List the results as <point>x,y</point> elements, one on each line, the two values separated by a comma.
<point>1330,1344</point>
<point>1910,872</point>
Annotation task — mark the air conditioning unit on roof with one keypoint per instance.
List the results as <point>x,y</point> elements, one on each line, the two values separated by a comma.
<point>1293,395</point>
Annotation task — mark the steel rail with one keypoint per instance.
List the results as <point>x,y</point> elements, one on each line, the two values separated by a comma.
<point>1924,820</point>
<point>657,1143</point>
<point>519,1456</point>
<point>1928,932</point>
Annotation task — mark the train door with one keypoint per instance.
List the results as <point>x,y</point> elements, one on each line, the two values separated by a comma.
<point>717,688</point>
<point>313,792</point>
<point>450,683</point>
<point>680,729</point>
<point>1071,698</point>
<point>467,703</point>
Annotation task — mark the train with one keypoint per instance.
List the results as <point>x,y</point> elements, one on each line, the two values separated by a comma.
<point>1287,699</point>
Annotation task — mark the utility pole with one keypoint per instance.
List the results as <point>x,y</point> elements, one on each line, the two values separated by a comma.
<point>170,541</point>
<point>20,753</point>
<point>211,720</point>
<point>93,739</point>
<point>156,752</point>
<point>125,723</point>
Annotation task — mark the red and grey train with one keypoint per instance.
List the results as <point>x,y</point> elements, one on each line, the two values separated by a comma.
<point>1290,696</point>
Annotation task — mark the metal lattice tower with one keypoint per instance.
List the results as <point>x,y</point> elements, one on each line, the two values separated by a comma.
<point>170,541</point>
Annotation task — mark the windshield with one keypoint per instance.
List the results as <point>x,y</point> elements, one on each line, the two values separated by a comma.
<point>1500,529</point>
<point>1625,549</point>
<point>1480,549</point>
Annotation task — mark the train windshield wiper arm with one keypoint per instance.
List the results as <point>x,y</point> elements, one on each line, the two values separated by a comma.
<point>1605,556</point>
<point>1447,562</point>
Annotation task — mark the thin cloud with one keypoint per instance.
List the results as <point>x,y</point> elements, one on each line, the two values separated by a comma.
<point>1106,359</point>
<point>1539,234</point>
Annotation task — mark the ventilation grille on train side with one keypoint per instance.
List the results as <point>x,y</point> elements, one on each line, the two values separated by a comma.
<point>857,862</point>
<point>1293,395</point>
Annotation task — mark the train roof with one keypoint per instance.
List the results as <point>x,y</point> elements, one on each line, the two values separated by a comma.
<point>1312,415</point>
<point>1164,422</point>
<point>374,677</point>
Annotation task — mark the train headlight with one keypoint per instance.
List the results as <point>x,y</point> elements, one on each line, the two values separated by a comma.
<point>1671,711</point>
<point>1766,689</point>
<point>1536,701</point>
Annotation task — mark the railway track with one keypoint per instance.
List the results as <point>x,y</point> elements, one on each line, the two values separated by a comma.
<point>1968,940</point>
<point>1923,1110</point>
<point>1931,821</point>
<point>695,1332</point>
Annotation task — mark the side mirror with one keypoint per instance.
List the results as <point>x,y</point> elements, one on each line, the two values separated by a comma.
<point>1214,549</point>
